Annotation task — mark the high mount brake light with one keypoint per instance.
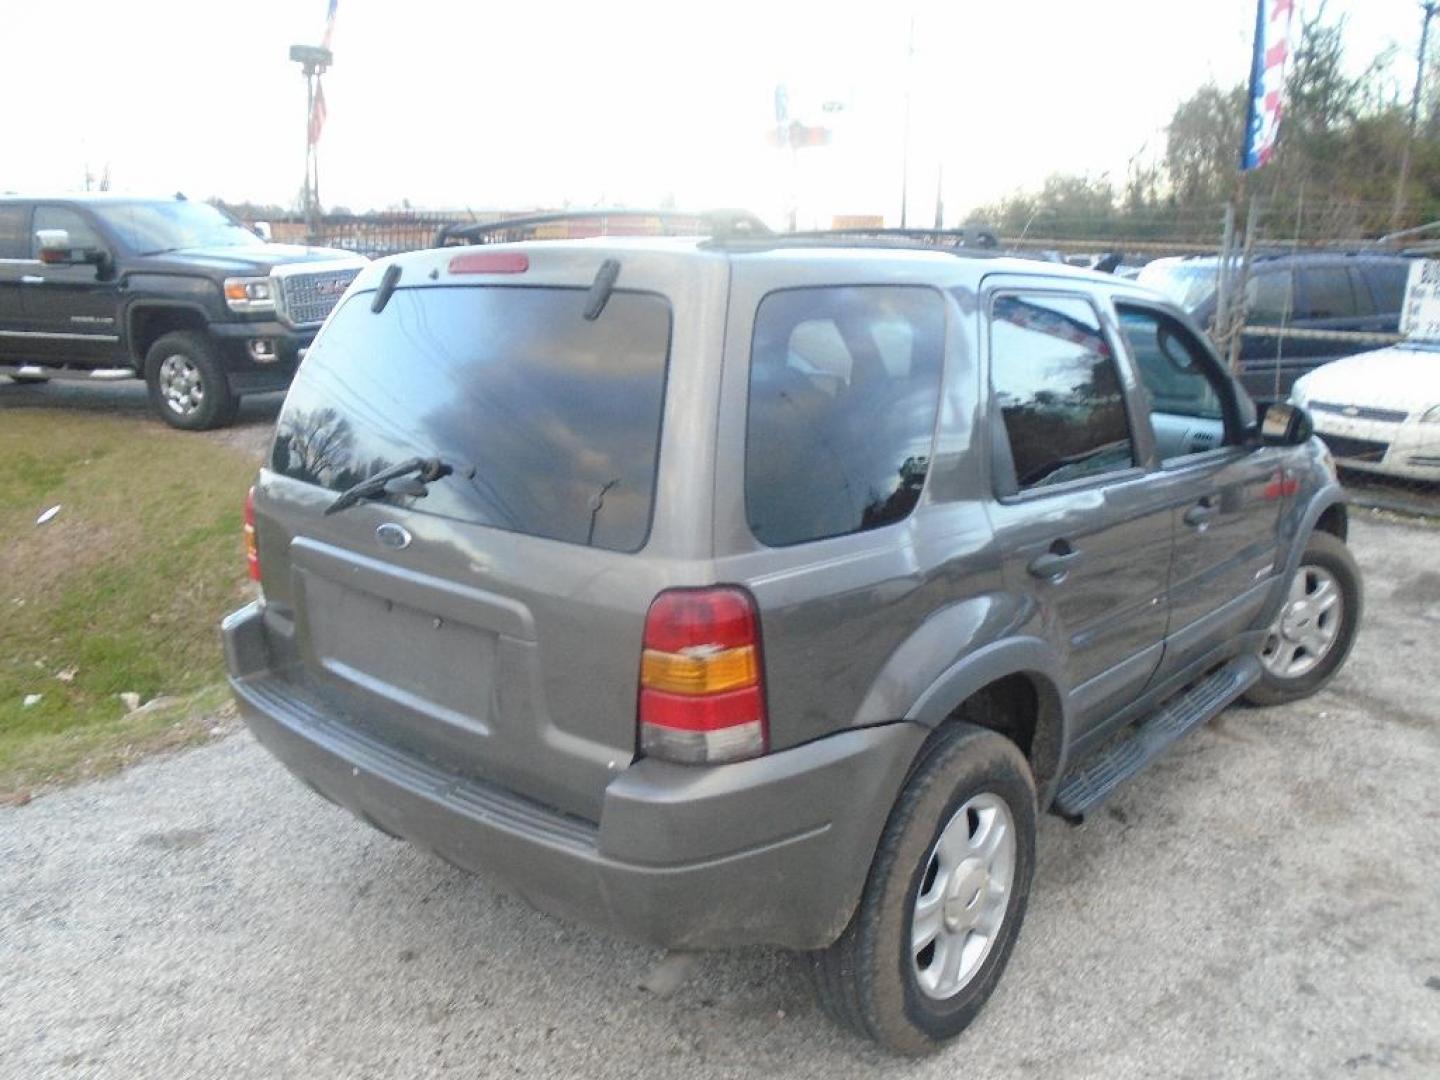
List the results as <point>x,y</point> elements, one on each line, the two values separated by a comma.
<point>490,262</point>
<point>702,696</point>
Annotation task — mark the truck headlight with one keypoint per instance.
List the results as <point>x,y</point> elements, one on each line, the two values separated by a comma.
<point>249,294</point>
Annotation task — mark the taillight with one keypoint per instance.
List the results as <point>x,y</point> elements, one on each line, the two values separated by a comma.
<point>252,550</point>
<point>702,698</point>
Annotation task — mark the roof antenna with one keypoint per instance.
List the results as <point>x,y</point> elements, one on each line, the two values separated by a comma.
<point>601,288</point>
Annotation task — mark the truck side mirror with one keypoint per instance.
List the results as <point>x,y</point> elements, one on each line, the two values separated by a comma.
<point>56,249</point>
<point>1283,424</point>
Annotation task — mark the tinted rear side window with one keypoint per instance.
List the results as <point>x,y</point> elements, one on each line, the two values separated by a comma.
<point>1387,284</point>
<point>14,231</point>
<point>1325,294</point>
<point>550,422</point>
<point>844,387</point>
<point>1054,377</point>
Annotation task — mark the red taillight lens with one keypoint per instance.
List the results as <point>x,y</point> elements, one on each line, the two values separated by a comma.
<point>252,550</point>
<point>702,698</point>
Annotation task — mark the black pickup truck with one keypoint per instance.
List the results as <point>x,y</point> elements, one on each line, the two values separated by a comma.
<point>175,292</point>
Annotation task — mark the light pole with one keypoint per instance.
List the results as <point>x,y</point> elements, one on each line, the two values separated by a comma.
<point>1429,7</point>
<point>313,61</point>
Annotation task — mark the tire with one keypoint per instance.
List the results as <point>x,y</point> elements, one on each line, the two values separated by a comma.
<point>1301,632</point>
<point>187,383</point>
<point>870,979</point>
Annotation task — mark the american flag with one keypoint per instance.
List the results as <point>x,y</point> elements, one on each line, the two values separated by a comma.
<point>329,24</point>
<point>1267,81</point>
<point>317,112</point>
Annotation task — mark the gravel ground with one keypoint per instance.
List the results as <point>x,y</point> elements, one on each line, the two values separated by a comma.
<point>1264,902</point>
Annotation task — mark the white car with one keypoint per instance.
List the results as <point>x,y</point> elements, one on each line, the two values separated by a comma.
<point>1379,411</point>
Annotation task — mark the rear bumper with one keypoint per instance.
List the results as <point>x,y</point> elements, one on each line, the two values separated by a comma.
<point>770,851</point>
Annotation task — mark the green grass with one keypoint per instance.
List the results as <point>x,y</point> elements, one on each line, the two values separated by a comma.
<point>124,588</point>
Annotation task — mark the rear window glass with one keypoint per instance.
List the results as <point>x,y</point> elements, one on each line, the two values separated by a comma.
<point>844,387</point>
<point>550,422</point>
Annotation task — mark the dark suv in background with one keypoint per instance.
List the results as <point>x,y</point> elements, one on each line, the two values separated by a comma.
<point>175,292</point>
<point>1330,291</point>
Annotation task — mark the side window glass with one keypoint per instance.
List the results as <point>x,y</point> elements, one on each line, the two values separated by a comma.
<point>1185,408</point>
<point>844,390</point>
<point>1054,377</point>
<point>1267,298</point>
<point>1387,282</point>
<point>1325,294</point>
<point>82,235</point>
<point>1360,289</point>
<point>14,238</point>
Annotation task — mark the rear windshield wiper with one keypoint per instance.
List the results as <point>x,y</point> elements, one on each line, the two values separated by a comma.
<point>426,470</point>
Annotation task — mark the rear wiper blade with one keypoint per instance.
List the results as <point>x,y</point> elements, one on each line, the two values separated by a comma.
<point>425,469</point>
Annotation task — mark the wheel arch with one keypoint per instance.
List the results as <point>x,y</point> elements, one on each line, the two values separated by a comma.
<point>1014,688</point>
<point>147,322</point>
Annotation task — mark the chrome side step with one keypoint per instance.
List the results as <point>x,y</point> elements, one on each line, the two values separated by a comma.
<point>1092,781</point>
<point>40,371</point>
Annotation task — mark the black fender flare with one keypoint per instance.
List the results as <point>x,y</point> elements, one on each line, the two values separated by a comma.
<point>1328,496</point>
<point>144,306</point>
<point>1035,659</point>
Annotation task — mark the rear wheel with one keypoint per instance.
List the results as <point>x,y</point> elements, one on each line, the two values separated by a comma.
<point>944,901</point>
<point>187,383</point>
<point>1316,627</point>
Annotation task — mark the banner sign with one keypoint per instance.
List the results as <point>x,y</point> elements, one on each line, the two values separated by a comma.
<point>1420,315</point>
<point>1267,81</point>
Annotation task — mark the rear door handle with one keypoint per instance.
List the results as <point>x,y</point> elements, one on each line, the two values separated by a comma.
<point>1055,563</point>
<point>31,279</point>
<point>1199,515</point>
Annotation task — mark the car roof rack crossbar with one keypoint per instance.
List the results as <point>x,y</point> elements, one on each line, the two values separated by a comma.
<point>575,224</point>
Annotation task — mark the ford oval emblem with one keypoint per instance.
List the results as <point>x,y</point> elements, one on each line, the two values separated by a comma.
<point>393,536</point>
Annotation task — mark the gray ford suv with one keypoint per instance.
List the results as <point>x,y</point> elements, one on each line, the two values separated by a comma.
<point>763,591</point>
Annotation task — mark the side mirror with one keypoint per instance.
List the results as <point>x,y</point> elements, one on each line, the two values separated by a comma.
<point>56,250</point>
<point>1283,424</point>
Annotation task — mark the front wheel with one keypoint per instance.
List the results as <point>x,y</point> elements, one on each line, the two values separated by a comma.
<point>944,900</point>
<point>1316,627</point>
<point>187,383</point>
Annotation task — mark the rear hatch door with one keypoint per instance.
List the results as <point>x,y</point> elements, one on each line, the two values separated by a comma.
<point>492,625</point>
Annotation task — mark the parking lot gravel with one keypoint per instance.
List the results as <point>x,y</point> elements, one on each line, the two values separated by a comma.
<point>1264,902</point>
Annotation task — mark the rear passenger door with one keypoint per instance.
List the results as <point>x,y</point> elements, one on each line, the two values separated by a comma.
<point>1224,491</point>
<point>1080,527</point>
<point>15,265</point>
<point>1326,299</point>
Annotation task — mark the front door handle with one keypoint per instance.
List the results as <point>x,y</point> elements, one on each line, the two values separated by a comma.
<point>31,279</point>
<point>1055,563</point>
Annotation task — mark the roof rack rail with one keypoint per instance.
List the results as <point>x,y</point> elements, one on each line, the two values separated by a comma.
<point>576,224</point>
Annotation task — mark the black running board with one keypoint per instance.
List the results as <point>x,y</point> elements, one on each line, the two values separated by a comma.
<point>1092,781</point>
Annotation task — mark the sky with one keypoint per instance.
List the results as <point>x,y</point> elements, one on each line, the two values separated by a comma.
<point>622,102</point>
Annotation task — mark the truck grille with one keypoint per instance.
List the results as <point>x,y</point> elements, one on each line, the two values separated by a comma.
<point>304,298</point>
<point>1354,449</point>
<point>1359,412</point>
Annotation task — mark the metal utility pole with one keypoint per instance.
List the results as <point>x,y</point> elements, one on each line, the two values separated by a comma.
<point>313,61</point>
<point>1428,7</point>
<point>909,86</point>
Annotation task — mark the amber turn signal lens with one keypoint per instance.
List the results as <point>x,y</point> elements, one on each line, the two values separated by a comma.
<point>699,673</point>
